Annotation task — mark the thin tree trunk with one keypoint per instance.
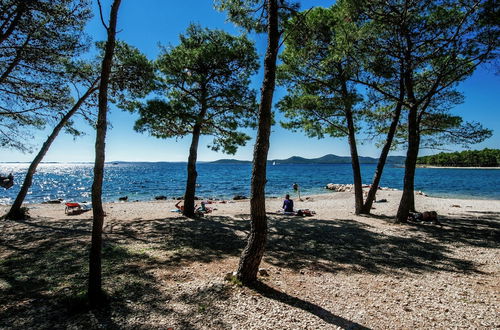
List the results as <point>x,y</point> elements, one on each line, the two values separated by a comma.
<point>192,174</point>
<point>377,176</point>
<point>189,195</point>
<point>370,198</point>
<point>253,252</point>
<point>356,170</point>
<point>15,210</point>
<point>95,293</point>
<point>407,203</point>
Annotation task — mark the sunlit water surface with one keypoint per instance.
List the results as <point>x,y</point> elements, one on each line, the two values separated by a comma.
<point>144,181</point>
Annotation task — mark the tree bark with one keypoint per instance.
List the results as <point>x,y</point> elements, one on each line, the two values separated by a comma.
<point>192,174</point>
<point>356,169</point>
<point>15,210</point>
<point>253,252</point>
<point>377,176</point>
<point>370,198</point>
<point>95,293</point>
<point>190,192</point>
<point>407,203</point>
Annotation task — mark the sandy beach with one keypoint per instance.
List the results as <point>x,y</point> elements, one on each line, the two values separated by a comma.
<point>329,271</point>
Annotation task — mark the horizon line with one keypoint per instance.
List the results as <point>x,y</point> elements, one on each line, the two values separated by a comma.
<point>178,161</point>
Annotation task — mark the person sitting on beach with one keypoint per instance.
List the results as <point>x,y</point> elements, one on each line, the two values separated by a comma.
<point>287,204</point>
<point>180,207</point>
<point>203,208</point>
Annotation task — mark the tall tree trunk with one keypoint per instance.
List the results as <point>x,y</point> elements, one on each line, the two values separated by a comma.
<point>407,203</point>
<point>356,169</point>
<point>15,210</point>
<point>189,195</point>
<point>95,293</point>
<point>370,198</point>
<point>253,252</point>
<point>192,175</point>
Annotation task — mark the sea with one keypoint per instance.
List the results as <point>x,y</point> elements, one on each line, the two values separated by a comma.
<point>143,181</point>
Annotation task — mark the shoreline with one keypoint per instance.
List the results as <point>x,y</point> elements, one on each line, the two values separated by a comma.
<point>268,198</point>
<point>320,201</point>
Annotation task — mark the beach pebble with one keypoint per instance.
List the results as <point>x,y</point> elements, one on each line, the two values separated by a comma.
<point>229,276</point>
<point>53,201</point>
<point>263,272</point>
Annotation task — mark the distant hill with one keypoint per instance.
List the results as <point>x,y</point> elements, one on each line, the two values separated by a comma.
<point>326,159</point>
<point>231,161</point>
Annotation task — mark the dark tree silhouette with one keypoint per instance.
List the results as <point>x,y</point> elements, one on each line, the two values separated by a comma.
<point>95,293</point>
<point>261,16</point>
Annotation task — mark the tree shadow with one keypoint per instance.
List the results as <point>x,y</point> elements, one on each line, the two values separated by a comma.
<point>476,228</point>
<point>187,240</point>
<point>206,302</point>
<point>43,278</point>
<point>296,243</point>
<point>43,270</point>
<point>330,318</point>
<point>332,246</point>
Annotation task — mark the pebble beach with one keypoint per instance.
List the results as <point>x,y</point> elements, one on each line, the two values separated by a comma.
<point>332,270</point>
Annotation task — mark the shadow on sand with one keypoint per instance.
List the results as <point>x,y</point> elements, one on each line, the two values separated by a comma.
<point>43,270</point>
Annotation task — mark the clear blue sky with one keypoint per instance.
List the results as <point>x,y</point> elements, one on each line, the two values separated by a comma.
<point>145,24</point>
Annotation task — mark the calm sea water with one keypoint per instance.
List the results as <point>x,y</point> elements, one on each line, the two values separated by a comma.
<point>144,181</point>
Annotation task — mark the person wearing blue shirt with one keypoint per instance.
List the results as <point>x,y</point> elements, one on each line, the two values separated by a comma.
<point>287,204</point>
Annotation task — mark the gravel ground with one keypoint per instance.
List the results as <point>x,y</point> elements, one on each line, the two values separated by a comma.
<point>334,270</point>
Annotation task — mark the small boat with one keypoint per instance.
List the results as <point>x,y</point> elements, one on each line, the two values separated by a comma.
<point>274,163</point>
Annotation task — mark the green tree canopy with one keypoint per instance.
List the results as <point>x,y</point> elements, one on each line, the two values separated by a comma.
<point>37,39</point>
<point>316,71</point>
<point>130,77</point>
<point>252,15</point>
<point>439,44</point>
<point>205,80</point>
<point>477,158</point>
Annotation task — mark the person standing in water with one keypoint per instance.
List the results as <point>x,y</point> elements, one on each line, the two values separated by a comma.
<point>296,188</point>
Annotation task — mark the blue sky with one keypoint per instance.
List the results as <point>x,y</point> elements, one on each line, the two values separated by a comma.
<point>145,24</point>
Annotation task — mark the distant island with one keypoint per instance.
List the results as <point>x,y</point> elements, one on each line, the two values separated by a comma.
<point>469,158</point>
<point>326,159</point>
